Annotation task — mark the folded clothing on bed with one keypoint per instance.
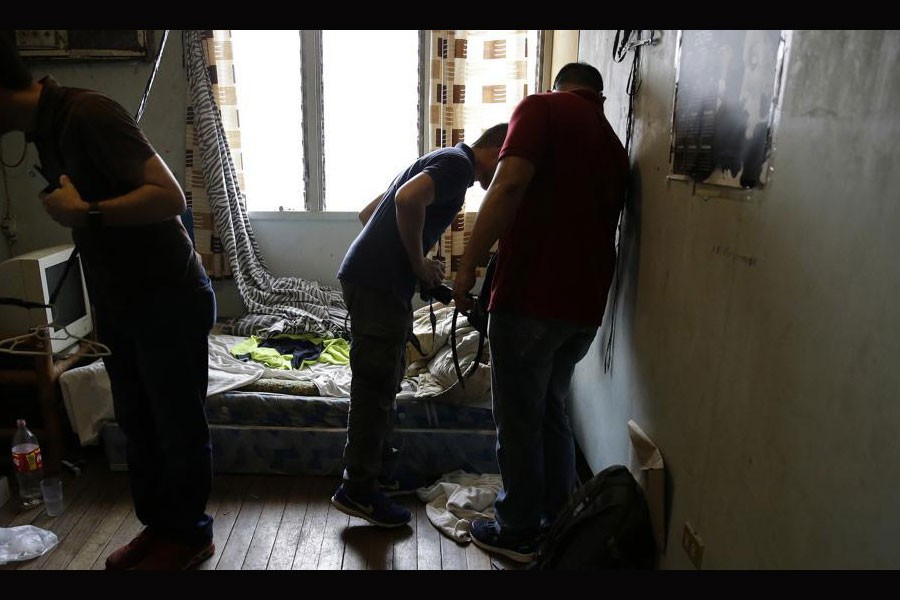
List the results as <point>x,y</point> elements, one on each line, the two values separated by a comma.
<point>292,351</point>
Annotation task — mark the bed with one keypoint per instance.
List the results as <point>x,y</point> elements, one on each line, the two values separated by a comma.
<point>293,421</point>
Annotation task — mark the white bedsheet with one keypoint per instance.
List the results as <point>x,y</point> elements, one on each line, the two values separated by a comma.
<point>88,399</point>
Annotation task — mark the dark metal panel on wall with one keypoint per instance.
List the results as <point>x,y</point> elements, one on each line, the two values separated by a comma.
<point>726,89</point>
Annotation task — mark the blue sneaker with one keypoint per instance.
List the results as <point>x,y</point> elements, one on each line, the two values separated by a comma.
<point>486,535</point>
<point>376,508</point>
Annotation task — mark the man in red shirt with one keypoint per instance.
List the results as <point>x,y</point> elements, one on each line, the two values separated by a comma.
<point>554,205</point>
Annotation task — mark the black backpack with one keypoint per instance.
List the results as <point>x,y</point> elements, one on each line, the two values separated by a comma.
<point>605,525</point>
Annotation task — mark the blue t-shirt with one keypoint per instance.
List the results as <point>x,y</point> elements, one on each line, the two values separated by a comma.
<point>377,258</point>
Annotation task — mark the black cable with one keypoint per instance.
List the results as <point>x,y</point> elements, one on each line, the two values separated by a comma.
<point>620,43</point>
<point>72,258</point>
<point>22,303</point>
<point>140,110</point>
<point>631,88</point>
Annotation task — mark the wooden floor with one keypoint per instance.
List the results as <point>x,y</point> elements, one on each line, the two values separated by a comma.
<point>261,522</point>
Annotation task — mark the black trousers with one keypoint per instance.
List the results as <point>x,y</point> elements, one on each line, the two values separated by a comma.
<point>379,325</point>
<point>158,372</point>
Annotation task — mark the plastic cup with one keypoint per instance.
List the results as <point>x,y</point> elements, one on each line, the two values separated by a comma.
<point>51,489</point>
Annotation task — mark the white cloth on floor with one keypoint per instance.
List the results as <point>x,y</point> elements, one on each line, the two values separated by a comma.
<point>454,500</point>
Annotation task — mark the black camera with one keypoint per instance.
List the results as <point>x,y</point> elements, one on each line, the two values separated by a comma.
<point>440,292</point>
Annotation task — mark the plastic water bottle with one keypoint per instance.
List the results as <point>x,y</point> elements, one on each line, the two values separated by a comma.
<point>29,467</point>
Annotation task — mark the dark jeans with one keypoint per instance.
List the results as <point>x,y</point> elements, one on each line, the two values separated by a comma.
<point>158,373</point>
<point>532,361</point>
<point>379,325</point>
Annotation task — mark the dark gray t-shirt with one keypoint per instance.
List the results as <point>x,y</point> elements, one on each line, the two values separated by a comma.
<point>90,138</point>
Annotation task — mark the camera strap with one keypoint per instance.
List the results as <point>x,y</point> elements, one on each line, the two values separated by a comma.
<point>478,318</point>
<point>459,375</point>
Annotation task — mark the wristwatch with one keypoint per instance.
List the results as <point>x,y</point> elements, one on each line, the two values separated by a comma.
<point>95,216</point>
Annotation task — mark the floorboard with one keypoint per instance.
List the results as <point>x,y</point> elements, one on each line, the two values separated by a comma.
<point>261,522</point>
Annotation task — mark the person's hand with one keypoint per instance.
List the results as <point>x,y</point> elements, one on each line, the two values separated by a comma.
<point>464,282</point>
<point>64,204</point>
<point>430,272</point>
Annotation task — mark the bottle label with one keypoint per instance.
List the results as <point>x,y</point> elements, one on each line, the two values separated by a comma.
<point>28,461</point>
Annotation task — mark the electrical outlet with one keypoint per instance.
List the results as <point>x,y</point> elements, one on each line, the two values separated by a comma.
<point>692,544</point>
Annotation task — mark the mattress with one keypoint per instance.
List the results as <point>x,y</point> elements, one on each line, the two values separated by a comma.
<point>273,421</point>
<point>272,433</point>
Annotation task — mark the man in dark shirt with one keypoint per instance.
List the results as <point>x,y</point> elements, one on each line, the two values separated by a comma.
<point>554,206</point>
<point>153,301</point>
<point>378,278</point>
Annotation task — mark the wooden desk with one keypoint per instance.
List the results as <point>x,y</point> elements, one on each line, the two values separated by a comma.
<point>42,375</point>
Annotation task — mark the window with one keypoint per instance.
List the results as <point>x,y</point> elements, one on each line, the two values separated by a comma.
<point>267,68</point>
<point>328,118</point>
<point>370,90</point>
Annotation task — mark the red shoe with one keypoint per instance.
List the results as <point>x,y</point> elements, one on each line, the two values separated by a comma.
<point>166,554</point>
<point>131,553</point>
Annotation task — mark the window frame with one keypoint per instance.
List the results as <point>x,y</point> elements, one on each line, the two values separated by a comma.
<point>312,114</point>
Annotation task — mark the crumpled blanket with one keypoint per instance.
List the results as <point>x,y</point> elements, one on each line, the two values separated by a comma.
<point>454,500</point>
<point>433,373</point>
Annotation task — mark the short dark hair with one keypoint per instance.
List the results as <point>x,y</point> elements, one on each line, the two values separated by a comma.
<point>492,137</point>
<point>14,75</point>
<point>579,73</point>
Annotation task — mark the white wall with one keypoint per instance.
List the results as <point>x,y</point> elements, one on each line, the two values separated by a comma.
<point>771,388</point>
<point>308,245</point>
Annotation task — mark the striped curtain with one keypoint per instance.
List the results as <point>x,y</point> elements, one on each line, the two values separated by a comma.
<point>477,78</point>
<point>214,183</point>
<point>217,52</point>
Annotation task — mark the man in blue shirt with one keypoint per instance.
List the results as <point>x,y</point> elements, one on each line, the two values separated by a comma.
<point>378,278</point>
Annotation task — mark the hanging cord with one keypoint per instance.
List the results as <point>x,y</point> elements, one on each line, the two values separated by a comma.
<point>620,43</point>
<point>162,45</point>
<point>7,221</point>
<point>18,162</point>
<point>621,46</point>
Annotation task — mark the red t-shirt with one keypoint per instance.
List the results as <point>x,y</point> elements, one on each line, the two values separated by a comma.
<point>557,258</point>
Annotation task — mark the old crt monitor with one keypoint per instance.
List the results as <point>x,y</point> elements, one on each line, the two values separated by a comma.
<point>33,277</point>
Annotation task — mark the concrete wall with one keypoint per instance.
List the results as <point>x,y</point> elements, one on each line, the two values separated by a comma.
<point>757,333</point>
